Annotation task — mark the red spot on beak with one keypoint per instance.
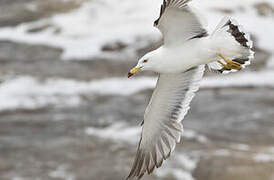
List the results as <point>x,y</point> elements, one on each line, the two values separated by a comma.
<point>129,75</point>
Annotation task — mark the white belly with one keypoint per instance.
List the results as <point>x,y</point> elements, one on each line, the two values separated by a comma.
<point>181,58</point>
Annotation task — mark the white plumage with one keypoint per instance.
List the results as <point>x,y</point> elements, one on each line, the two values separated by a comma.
<point>180,63</point>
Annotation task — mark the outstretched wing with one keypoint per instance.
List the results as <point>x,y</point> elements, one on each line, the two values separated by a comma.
<point>162,127</point>
<point>178,22</point>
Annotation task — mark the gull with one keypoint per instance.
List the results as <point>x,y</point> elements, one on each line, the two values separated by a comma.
<point>180,62</point>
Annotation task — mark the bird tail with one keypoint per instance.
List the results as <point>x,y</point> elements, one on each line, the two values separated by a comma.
<point>233,45</point>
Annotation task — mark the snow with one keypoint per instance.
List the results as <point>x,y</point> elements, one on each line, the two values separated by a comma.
<point>86,30</point>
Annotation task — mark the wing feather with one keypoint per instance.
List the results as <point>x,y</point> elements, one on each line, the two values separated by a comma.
<point>162,127</point>
<point>178,22</point>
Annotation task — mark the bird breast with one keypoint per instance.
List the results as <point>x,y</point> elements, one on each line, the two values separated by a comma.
<point>180,58</point>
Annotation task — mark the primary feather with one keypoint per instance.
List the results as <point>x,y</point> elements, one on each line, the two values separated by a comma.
<point>180,63</point>
<point>162,127</point>
<point>177,21</point>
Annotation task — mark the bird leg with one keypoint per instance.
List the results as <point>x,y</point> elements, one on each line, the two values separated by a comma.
<point>230,64</point>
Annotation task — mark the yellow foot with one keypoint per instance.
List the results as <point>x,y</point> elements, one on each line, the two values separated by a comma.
<point>230,64</point>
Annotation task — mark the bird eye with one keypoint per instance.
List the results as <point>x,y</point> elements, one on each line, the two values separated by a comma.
<point>145,60</point>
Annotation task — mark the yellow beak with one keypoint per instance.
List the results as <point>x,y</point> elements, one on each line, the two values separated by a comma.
<point>133,71</point>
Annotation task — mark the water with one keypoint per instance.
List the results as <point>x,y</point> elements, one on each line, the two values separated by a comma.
<point>73,115</point>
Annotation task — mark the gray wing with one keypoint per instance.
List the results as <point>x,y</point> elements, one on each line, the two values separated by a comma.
<point>162,127</point>
<point>178,22</point>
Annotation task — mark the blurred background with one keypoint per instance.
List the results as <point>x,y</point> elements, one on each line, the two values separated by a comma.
<point>68,111</point>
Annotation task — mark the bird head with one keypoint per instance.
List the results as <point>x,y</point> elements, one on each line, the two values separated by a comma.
<point>143,64</point>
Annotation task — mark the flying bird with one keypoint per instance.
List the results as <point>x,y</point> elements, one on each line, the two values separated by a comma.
<point>187,50</point>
